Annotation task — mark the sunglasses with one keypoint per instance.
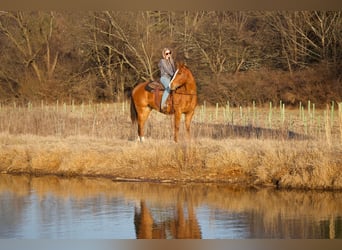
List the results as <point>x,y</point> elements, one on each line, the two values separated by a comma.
<point>168,53</point>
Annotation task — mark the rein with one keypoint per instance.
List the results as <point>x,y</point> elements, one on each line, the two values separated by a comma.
<point>173,77</point>
<point>183,93</point>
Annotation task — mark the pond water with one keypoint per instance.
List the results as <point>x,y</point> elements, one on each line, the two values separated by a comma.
<point>86,208</point>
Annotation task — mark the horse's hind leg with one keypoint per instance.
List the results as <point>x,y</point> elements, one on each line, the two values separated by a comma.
<point>143,113</point>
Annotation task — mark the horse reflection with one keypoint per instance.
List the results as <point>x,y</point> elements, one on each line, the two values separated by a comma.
<point>182,226</point>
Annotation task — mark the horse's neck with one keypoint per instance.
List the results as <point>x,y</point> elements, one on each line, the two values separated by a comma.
<point>188,88</point>
<point>191,83</point>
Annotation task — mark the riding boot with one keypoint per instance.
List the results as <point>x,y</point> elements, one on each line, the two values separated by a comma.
<point>164,108</point>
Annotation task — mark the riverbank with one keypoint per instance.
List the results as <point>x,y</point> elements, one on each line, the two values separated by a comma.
<point>248,146</point>
<point>308,164</point>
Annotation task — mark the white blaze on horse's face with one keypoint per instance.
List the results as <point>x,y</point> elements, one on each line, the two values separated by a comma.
<point>173,78</point>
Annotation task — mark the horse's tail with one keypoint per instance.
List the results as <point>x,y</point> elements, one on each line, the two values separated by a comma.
<point>134,114</point>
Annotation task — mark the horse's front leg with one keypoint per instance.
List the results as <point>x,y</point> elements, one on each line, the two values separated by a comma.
<point>188,118</point>
<point>176,126</point>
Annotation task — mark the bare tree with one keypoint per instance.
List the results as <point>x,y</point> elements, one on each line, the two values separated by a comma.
<point>322,26</point>
<point>100,55</point>
<point>127,43</point>
<point>307,36</point>
<point>210,43</point>
<point>29,38</point>
<point>218,40</point>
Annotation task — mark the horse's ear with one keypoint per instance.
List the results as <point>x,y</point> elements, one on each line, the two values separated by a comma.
<point>180,64</point>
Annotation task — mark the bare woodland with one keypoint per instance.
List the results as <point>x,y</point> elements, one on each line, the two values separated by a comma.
<point>236,56</point>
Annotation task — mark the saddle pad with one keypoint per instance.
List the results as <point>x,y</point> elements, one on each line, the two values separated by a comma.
<point>152,86</point>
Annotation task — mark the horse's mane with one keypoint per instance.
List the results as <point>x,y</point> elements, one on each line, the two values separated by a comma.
<point>181,64</point>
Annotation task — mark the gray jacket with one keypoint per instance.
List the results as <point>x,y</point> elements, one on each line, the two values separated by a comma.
<point>167,68</point>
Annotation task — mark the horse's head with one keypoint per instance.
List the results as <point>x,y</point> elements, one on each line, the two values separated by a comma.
<point>181,77</point>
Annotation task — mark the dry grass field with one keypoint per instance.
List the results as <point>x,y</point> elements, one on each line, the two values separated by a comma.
<point>250,146</point>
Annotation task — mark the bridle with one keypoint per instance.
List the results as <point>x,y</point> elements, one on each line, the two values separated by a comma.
<point>174,76</point>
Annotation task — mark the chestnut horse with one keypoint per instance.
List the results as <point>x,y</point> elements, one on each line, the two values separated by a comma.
<point>184,94</point>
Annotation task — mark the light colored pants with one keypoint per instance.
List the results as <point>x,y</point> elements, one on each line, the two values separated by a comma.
<point>165,81</point>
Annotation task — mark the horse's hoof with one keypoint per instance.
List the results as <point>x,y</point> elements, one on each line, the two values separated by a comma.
<point>140,139</point>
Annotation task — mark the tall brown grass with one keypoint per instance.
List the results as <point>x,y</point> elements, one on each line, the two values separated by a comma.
<point>299,148</point>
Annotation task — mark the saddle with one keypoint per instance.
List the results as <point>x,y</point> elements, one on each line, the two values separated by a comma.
<point>155,87</point>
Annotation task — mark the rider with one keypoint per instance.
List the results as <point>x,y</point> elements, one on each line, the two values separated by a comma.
<point>167,69</point>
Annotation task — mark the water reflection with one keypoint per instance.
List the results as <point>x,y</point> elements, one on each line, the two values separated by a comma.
<point>51,207</point>
<point>182,224</point>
